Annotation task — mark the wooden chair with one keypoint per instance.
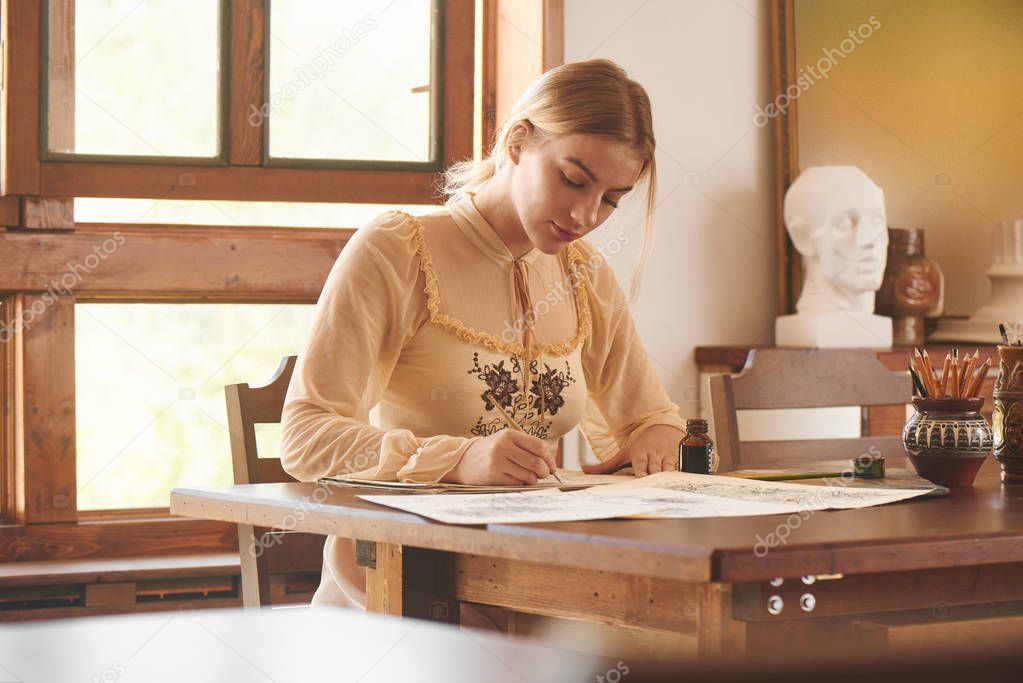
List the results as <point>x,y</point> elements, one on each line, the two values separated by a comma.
<point>805,378</point>
<point>263,550</point>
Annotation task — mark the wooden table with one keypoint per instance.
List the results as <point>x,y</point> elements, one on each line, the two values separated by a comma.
<point>280,645</point>
<point>718,579</point>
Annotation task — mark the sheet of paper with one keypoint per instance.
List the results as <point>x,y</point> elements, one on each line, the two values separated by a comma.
<point>509,508</point>
<point>570,480</point>
<point>787,497</point>
<point>663,495</point>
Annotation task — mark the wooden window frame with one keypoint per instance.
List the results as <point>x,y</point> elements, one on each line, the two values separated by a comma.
<point>243,264</point>
<point>242,170</point>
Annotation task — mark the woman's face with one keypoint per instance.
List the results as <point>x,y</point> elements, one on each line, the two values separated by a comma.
<point>567,186</point>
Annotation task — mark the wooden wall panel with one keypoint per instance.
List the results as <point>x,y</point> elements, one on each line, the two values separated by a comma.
<point>459,81</point>
<point>488,77</point>
<point>128,538</point>
<point>553,33</point>
<point>48,424</point>
<point>10,212</point>
<point>246,125</point>
<point>519,37</point>
<point>242,183</point>
<point>11,391</point>
<point>60,109</point>
<point>155,262</point>
<point>20,23</point>
<point>528,39</point>
<point>42,213</point>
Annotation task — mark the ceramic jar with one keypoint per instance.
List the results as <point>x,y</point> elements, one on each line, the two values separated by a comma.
<point>947,439</point>
<point>1007,418</point>
<point>913,286</point>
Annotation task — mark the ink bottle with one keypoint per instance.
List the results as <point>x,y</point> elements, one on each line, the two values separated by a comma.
<point>696,449</point>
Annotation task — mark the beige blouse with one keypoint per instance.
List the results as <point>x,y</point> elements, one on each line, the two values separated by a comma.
<point>432,319</point>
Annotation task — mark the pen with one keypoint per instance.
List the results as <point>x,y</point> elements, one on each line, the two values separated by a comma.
<point>513,424</point>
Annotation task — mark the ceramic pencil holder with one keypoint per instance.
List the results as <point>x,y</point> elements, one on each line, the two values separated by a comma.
<point>1007,418</point>
<point>947,439</point>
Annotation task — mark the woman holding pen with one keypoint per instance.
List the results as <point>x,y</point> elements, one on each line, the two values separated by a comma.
<point>493,308</point>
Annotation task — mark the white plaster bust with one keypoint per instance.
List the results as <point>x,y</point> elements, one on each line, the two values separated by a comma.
<point>835,216</point>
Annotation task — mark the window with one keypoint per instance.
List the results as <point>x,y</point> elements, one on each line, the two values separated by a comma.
<point>150,392</point>
<point>129,124</point>
<point>223,234</point>
<point>242,99</point>
<point>351,82</point>
<point>165,97</point>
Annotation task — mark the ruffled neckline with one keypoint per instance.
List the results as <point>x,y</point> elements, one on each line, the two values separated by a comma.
<point>486,238</point>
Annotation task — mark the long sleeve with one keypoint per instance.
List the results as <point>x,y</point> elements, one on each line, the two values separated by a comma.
<point>625,395</point>
<point>371,305</point>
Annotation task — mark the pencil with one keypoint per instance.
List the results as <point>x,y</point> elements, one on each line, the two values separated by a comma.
<point>510,421</point>
<point>917,366</point>
<point>978,380</point>
<point>967,378</point>
<point>955,378</point>
<point>944,375</point>
<point>923,368</point>
<point>931,379</point>
<point>917,361</point>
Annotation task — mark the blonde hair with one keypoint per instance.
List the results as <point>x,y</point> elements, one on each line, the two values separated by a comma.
<point>594,97</point>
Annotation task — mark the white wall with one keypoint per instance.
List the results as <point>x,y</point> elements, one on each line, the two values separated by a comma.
<point>711,277</point>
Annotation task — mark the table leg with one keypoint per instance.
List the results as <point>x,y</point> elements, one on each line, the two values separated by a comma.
<point>719,635</point>
<point>411,582</point>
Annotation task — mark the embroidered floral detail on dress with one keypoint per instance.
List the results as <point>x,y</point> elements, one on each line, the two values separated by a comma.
<point>501,383</point>
<point>548,387</point>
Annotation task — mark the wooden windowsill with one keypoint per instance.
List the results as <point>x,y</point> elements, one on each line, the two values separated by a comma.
<point>52,589</point>
<point>117,569</point>
<point>126,515</point>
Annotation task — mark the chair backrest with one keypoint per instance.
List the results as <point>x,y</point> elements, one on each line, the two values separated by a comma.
<point>264,550</point>
<point>248,406</point>
<point>804,378</point>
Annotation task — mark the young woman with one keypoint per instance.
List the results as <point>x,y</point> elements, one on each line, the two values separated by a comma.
<point>493,301</point>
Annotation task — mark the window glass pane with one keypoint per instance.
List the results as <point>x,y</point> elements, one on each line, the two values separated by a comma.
<point>350,80</point>
<point>150,392</point>
<point>187,212</point>
<point>268,440</point>
<point>143,80</point>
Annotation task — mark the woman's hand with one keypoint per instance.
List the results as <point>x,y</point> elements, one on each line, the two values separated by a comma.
<point>505,457</point>
<point>654,450</point>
